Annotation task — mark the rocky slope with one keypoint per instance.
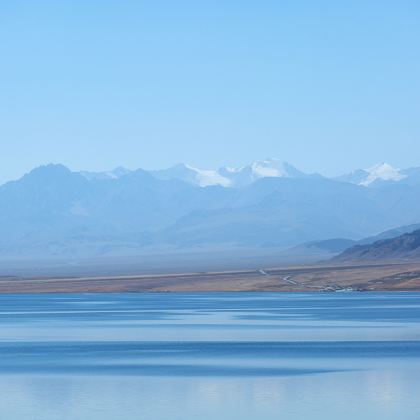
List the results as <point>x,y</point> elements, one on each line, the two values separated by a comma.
<point>402,247</point>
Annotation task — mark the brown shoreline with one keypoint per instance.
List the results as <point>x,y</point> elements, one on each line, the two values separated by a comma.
<point>390,276</point>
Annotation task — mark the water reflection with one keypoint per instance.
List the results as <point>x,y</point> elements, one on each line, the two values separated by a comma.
<point>207,356</point>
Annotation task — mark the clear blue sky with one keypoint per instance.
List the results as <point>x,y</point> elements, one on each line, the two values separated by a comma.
<point>327,85</point>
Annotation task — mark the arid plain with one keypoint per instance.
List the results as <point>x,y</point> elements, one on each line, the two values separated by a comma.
<point>389,276</point>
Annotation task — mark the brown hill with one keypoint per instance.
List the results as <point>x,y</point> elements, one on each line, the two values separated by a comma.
<point>403,246</point>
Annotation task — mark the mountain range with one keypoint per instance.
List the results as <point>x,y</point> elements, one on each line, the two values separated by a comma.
<point>225,176</point>
<point>53,211</point>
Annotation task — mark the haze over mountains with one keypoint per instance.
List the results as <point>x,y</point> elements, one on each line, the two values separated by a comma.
<point>53,211</point>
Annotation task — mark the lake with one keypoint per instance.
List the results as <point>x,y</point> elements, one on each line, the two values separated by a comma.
<point>210,356</point>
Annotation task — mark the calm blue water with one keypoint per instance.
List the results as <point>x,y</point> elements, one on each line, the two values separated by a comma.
<point>210,356</point>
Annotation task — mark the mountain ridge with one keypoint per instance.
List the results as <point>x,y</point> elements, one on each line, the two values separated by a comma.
<point>405,246</point>
<point>378,175</point>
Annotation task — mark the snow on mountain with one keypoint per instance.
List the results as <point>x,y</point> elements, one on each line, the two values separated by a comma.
<point>242,176</point>
<point>268,168</point>
<point>206,177</point>
<point>382,172</point>
<point>373,174</point>
<point>210,177</point>
<point>191,175</point>
<point>228,176</point>
<point>245,175</point>
<point>224,176</point>
<point>274,168</point>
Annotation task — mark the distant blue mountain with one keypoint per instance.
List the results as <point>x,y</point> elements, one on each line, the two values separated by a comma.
<point>53,211</point>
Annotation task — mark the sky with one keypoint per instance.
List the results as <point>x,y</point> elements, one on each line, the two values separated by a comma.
<point>328,86</point>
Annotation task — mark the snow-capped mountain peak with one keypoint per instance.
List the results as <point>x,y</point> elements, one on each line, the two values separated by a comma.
<point>381,172</point>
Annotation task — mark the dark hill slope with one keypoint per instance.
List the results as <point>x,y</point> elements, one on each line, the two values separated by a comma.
<point>403,246</point>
